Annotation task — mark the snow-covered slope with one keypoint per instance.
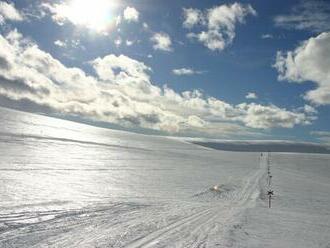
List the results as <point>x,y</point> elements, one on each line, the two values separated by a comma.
<point>65,184</point>
<point>263,146</point>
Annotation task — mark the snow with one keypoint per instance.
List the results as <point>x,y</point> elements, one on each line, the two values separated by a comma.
<point>64,184</point>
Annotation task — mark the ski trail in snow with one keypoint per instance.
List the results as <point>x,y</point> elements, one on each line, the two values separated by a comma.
<point>197,227</point>
<point>152,238</point>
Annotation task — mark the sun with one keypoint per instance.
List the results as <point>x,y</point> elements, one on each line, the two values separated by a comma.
<point>94,14</point>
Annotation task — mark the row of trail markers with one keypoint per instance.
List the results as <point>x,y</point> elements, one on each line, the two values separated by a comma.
<point>270,192</point>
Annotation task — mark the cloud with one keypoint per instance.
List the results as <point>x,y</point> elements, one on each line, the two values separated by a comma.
<point>308,62</point>
<point>60,43</point>
<point>118,20</point>
<point>321,133</point>
<point>9,12</point>
<point>323,136</point>
<point>192,17</point>
<point>185,71</point>
<point>251,95</point>
<point>122,92</point>
<point>259,116</point>
<point>131,14</point>
<point>118,42</point>
<point>308,15</point>
<point>162,41</point>
<point>267,36</point>
<point>220,22</point>
<point>129,42</point>
<point>69,43</point>
<point>145,26</point>
<point>118,68</point>
<point>309,109</point>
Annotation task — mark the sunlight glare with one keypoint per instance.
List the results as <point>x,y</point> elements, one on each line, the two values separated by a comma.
<point>93,14</point>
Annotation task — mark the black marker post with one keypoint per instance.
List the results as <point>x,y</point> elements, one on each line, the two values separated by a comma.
<point>270,193</point>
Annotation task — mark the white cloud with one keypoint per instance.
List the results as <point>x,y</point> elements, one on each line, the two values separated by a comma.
<point>117,68</point>
<point>131,14</point>
<point>118,42</point>
<point>192,17</point>
<point>195,121</point>
<point>309,109</point>
<point>162,41</point>
<point>323,136</point>
<point>220,22</point>
<point>321,133</point>
<point>185,71</point>
<point>122,92</point>
<point>308,62</point>
<point>259,116</point>
<point>69,43</point>
<point>129,42</point>
<point>251,95</point>
<point>118,20</point>
<point>145,26</point>
<point>9,12</point>
<point>60,43</point>
<point>267,36</point>
<point>307,15</point>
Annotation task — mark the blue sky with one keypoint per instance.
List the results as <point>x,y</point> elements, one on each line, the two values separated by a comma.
<point>220,69</point>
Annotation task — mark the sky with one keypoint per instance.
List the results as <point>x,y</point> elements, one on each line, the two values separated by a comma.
<point>215,69</point>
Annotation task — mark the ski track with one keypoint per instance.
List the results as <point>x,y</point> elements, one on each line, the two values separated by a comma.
<point>209,226</point>
<point>198,225</point>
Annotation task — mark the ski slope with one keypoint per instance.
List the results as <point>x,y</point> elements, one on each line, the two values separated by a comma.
<point>65,184</point>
